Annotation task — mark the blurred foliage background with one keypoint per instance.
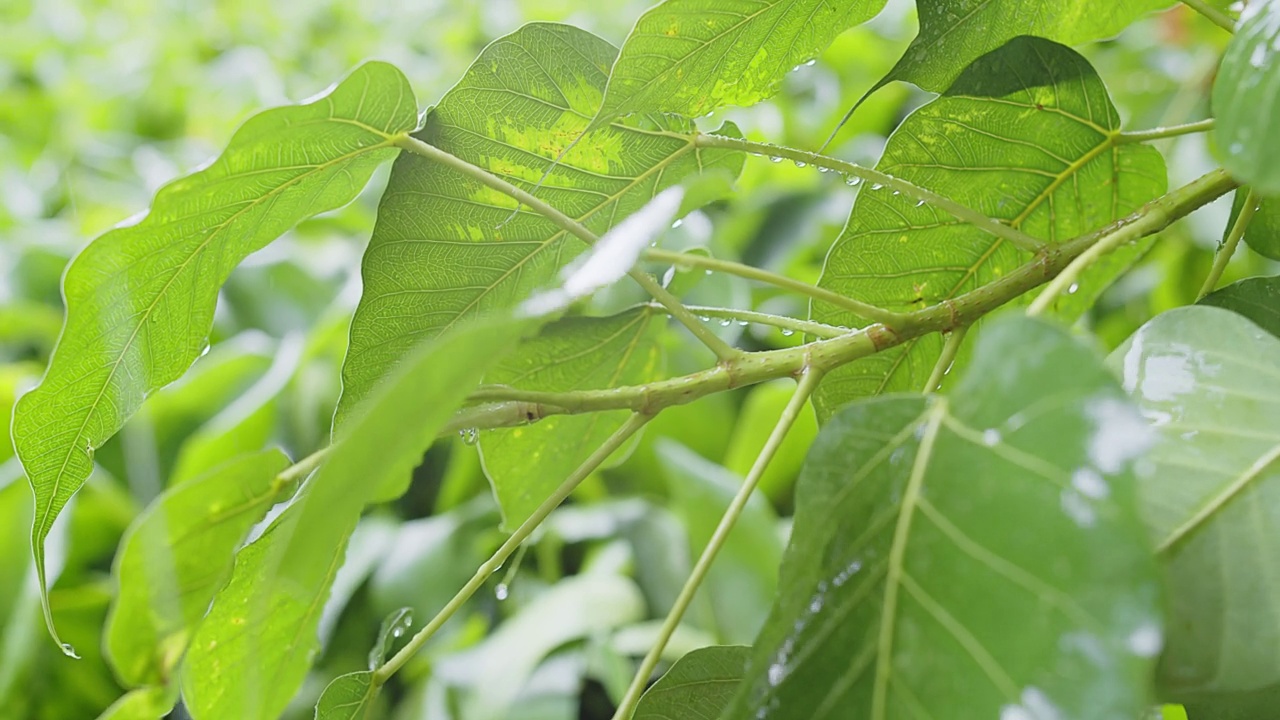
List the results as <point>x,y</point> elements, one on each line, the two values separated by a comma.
<point>101,102</point>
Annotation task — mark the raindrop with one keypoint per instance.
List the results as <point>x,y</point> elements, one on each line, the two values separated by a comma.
<point>398,632</point>
<point>501,591</point>
<point>991,437</point>
<point>800,164</point>
<point>708,272</point>
<point>896,193</point>
<point>726,322</point>
<point>775,159</point>
<point>788,332</point>
<point>810,63</point>
<point>824,169</point>
<point>920,203</point>
<point>704,318</point>
<point>742,323</point>
<point>677,223</point>
<point>1074,287</point>
<point>876,186</point>
<point>852,181</point>
<point>469,436</point>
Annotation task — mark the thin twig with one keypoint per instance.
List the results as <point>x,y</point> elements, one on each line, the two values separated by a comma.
<point>1223,257</point>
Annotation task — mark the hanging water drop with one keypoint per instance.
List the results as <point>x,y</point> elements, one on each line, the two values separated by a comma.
<point>920,203</point>
<point>852,181</point>
<point>788,332</point>
<point>810,63</point>
<point>726,322</point>
<point>677,224</point>
<point>824,169</point>
<point>775,159</point>
<point>800,164</point>
<point>1074,287</point>
<point>742,323</point>
<point>469,436</point>
<point>876,186</point>
<point>501,591</point>
<point>704,318</point>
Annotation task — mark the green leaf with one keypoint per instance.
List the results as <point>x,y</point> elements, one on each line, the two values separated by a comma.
<point>140,298</point>
<point>176,556</point>
<point>149,703</point>
<point>699,685</point>
<point>1209,381</point>
<point>443,249</point>
<point>1263,232</point>
<point>972,556</point>
<point>1246,99</point>
<point>1255,298</point>
<point>526,464</point>
<point>1026,135</point>
<point>394,625</point>
<point>348,697</point>
<point>954,33</point>
<point>252,652</point>
<point>692,56</point>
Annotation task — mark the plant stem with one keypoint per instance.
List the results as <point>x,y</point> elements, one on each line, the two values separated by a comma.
<point>951,207</point>
<point>505,407</point>
<point>1159,133</point>
<point>948,356</point>
<point>522,533</point>
<point>807,327</point>
<point>1216,16</point>
<point>1228,249</point>
<point>865,310</point>
<point>407,142</point>
<point>808,382</point>
<point>301,469</point>
<point>1150,219</point>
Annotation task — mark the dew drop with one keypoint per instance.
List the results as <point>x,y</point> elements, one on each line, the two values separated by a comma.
<point>775,159</point>
<point>852,181</point>
<point>876,186</point>
<point>896,193</point>
<point>824,169</point>
<point>677,223</point>
<point>991,437</point>
<point>801,164</point>
<point>1074,287</point>
<point>726,322</point>
<point>810,63</point>
<point>788,332</point>
<point>469,436</point>
<point>708,272</point>
<point>501,591</point>
<point>920,203</point>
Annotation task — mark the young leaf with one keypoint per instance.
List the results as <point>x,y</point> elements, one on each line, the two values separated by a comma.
<point>1255,298</point>
<point>525,464</point>
<point>348,697</point>
<point>140,298</point>
<point>255,646</point>
<point>954,33</point>
<point>149,703</point>
<point>1027,135</point>
<point>1246,99</point>
<point>446,248</point>
<point>692,56</point>
<point>176,556</point>
<point>974,556</point>
<point>1209,381</point>
<point>1263,232</point>
<point>699,685</point>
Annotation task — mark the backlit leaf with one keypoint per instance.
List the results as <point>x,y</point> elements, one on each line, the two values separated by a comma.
<point>150,703</point>
<point>1028,136</point>
<point>1246,99</point>
<point>141,297</point>
<point>974,556</point>
<point>348,697</point>
<point>699,685</point>
<point>1255,298</point>
<point>1209,381</point>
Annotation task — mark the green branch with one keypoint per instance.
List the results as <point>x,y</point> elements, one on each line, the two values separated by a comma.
<point>1139,136</point>
<point>949,349</point>
<point>1216,16</point>
<point>877,178</point>
<point>522,533</point>
<point>865,310</point>
<point>787,324</point>
<point>1228,249</point>
<point>808,383</point>
<point>407,142</point>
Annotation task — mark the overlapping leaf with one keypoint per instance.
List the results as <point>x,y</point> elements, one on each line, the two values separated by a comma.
<point>692,56</point>
<point>954,33</point>
<point>699,686</point>
<point>526,464</point>
<point>443,249</point>
<point>978,556</point>
<point>1027,136</point>
<point>141,297</point>
<point>352,696</point>
<point>1263,232</point>
<point>1246,99</point>
<point>1209,381</point>
<point>1255,298</point>
<point>254,648</point>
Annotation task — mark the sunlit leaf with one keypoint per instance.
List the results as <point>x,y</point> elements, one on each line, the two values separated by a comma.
<point>446,248</point>
<point>526,464</point>
<point>141,297</point>
<point>1255,298</point>
<point>150,703</point>
<point>1026,135</point>
<point>699,685</point>
<point>1246,99</point>
<point>252,652</point>
<point>176,557</point>
<point>692,56</point>
<point>1209,381</point>
<point>978,555</point>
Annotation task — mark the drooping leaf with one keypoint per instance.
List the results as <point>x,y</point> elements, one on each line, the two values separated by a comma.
<point>259,639</point>
<point>176,556</point>
<point>393,627</point>
<point>1255,298</point>
<point>1027,135</point>
<point>526,464</point>
<point>692,56</point>
<point>699,685</point>
<point>348,697</point>
<point>1246,99</point>
<point>978,555</point>
<point>443,249</point>
<point>149,703</point>
<point>1209,381</point>
<point>954,33</point>
<point>140,298</point>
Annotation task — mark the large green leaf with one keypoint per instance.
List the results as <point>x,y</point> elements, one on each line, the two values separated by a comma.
<point>254,648</point>
<point>443,249</point>
<point>140,298</point>
<point>699,685</point>
<point>1026,135</point>
<point>979,555</point>
<point>692,56</point>
<point>526,464</point>
<point>1255,298</point>
<point>176,557</point>
<point>1209,381</point>
<point>954,33</point>
<point>1246,99</point>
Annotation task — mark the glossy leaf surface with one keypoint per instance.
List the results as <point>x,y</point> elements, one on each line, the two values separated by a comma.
<point>1028,136</point>
<point>699,686</point>
<point>1246,99</point>
<point>1255,298</point>
<point>141,297</point>
<point>979,555</point>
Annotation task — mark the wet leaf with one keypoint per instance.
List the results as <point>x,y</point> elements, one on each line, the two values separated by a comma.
<point>1246,99</point>
<point>699,685</point>
<point>1255,298</point>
